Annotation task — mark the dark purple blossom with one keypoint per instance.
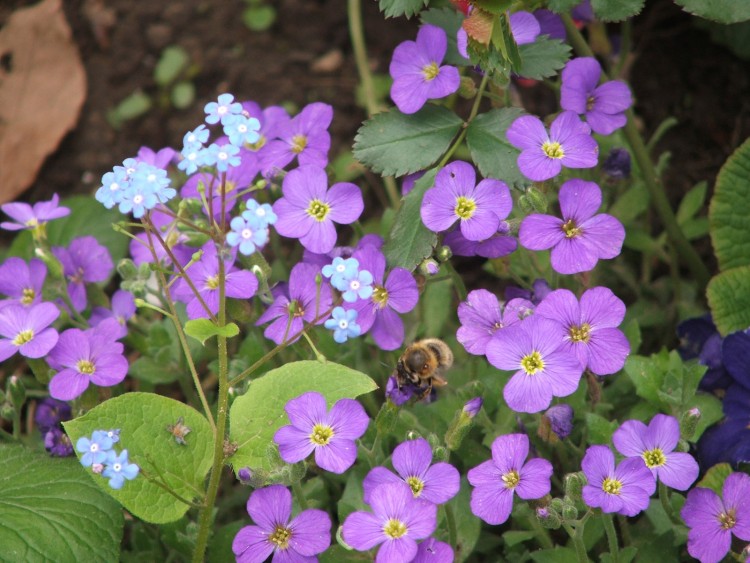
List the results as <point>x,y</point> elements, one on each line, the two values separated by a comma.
<point>84,261</point>
<point>50,413</point>
<point>581,238</point>
<point>560,420</point>
<point>305,136</point>
<point>700,339</point>
<point>617,164</point>
<point>330,434</point>
<point>408,181</point>
<point>417,72</point>
<point>550,24</point>
<point>57,443</point>
<point>543,155</point>
<point>397,520</point>
<point>412,461</point>
<point>603,105</point>
<point>735,351</point>
<point>26,330</point>
<point>22,282</point>
<point>713,520</point>
<point>495,481</point>
<point>481,316</point>
<point>539,290</point>
<point>298,539</point>
<point>28,217</point>
<point>398,395</point>
<point>728,441</point>
<point>624,489</point>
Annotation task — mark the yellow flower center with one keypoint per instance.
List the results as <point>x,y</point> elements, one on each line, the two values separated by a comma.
<point>280,537</point>
<point>571,230</point>
<point>532,363</point>
<point>28,296</point>
<point>212,282</point>
<point>430,71</point>
<point>394,529</point>
<point>86,366</point>
<point>465,207</point>
<point>416,485</point>
<point>511,479</point>
<point>318,210</point>
<point>553,149</point>
<point>23,337</point>
<point>321,434</point>
<point>611,486</point>
<point>299,142</point>
<point>654,458</point>
<point>580,333</point>
<point>728,519</point>
<point>380,295</point>
<point>32,222</point>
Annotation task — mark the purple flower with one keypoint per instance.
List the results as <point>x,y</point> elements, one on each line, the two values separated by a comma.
<point>233,181</point>
<point>272,120</point>
<point>309,209</point>
<point>408,181</point>
<point>655,444</point>
<point>455,197</point>
<point>700,339</point>
<point>84,261</point>
<point>50,412</point>
<point>57,443</point>
<point>482,316</point>
<point>123,309</point>
<point>496,480</point>
<point>416,71</point>
<point>569,144</point>
<point>617,164</point>
<point>550,24</point>
<point>580,239</point>
<point>397,521</point>
<point>22,282</point>
<point>25,330</point>
<point>560,420</point>
<point>604,106</point>
<point>472,406</point>
<point>275,532</point>
<point>624,489</point>
<point>305,136</point>
<point>589,328</point>
<point>433,551</point>
<point>397,294</point>
<point>398,395</point>
<point>118,468</point>
<point>84,357</point>
<point>524,27</point>
<point>498,245</point>
<point>28,217</point>
<point>303,303</point>
<point>239,284</point>
<point>330,434</point>
<point>94,449</point>
<point>436,483</point>
<point>545,368</point>
<point>160,159</point>
<point>712,519</point>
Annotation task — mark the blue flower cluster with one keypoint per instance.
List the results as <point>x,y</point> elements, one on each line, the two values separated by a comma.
<point>346,276</point>
<point>98,454</point>
<point>135,187</point>
<point>250,229</point>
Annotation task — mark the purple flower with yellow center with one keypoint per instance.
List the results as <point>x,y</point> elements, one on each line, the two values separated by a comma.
<point>624,489</point>
<point>26,330</point>
<point>297,539</point>
<point>391,295</point>
<point>417,72</point>
<point>544,368</point>
<point>272,120</point>
<point>84,261</point>
<point>28,217</point>
<point>543,155</point>
<point>655,444</point>
<point>589,328</point>
<point>123,309</point>
<point>412,460</point>
<point>603,105</point>
<point>713,519</point>
<point>496,481</point>
<point>305,137</point>
<point>309,210</point>
<point>581,238</point>
<point>22,282</point>
<point>117,468</point>
<point>481,316</point>
<point>222,109</point>
<point>239,284</point>
<point>304,302</point>
<point>397,520</point>
<point>84,357</point>
<point>330,434</point>
<point>455,197</point>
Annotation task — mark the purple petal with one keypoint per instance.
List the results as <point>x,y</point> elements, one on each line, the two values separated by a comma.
<point>679,472</point>
<point>492,503</point>
<point>736,492</point>
<point>7,349</point>
<point>442,482</point>
<point>508,347</point>
<point>537,166</point>
<point>482,225</point>
<point>438,211</point>
<point>628,438</point>
<point>67,385</point>
<point>348,419</point>
<point>403,293</point>
<point>524,27</point>
<point>407,59</point>
<point>709,544</point>
<point>433,42</point>
<point>495,195</point>
<point>601,308</point>
<point>702,506</point>
<point>608,349</point>
<point>401,549</point>
<point>410,92</point>
<point>598,464</point>
<point>605,123</point>
<point>111,369</point>
<point>377,476</point>
<point>535,479</point>
<point>433,551</point>
<point>307,410</point>
<point>40,345</point>
<point>606,234</point>
<point>540,232</point>
<point>292,221</point>
<point>241,284</point>
<point>346,203</point>
<point>321,237</point>
<point>596,497</point>
<point>581,151</point>
<point>663,432</point>
<point>612,97</point>
<point>311,532</point>
<point>573,255</point>
<point>388,329</point>
<point>294,444</point>
<point>270,506</point>
<point>337,456</point>
<point>445,83</point>
<point>527,393</point>
<point>363,531</point>
<point>579,200</point>
<point>412,458</point>
<point>251,545</point>
<point>527,132</point>
<point>421,519</point>
<point>510,451</point>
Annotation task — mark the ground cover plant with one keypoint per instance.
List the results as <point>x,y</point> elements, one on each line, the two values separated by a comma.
<point>501,342</point>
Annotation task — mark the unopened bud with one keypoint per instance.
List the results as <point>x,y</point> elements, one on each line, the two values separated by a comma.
<point>573,485</point>
<point>468,88</point>
<point>536,200</point>
<point>429,267</point>
<point>617,164</point>
<point>443,254</point>
<point>440,453</point>
<point>547,518</point>
<point>244,475</point>
<point>472,406</point>
<point>413,435</point>
<point>569,511</point>
<point>16,391</point>
<point>6,411</point>
<point>387,417</point>
<point>556,505</point>
<point>127,269</point>
<point>556,423</point>
<point>272,455</point>
<point>689,422</point>
<point>462,423</point>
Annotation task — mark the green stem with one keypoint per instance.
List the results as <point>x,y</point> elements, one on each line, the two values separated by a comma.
<point>300,494</point>
<point>465,128</point>
<point>657,195</point>
<point>609,528</point>
<point>450,519</point>
<point>666,505</point>
<point>458,283</point>
<point>318,356</point>
<point>542,534</point>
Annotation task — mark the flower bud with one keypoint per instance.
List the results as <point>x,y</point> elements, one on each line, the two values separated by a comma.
<point>574,484</point>
<point>6,411</point>
<point>556,505</point>
<point>468,88</point>
<point>54,268</point>
<point>617,164</point>
<point>462,423</point>
<point>556,424</point>
<point>472,406</point>
<point>413,435</point>
<point>17,391</point>
<point>244,475</point>
<point>548,518</point>
<point>127,269</point>
<point>569,511</point>
<point>440,453</point>
<point>429,267</point>
<point>689,422</point>
<point>536,200</point>
<point>443,254</point>
<point>387,417</point>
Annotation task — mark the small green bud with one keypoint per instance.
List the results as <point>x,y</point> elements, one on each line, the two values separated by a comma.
<point>127,269</point>
<point>557,505</point>
<point>16,391</point>
<point>440,453</point>
<point>689,422</point>
<point>443,254</point>
<point>536,200</point>
<point>272,455</point>
<point>428,267</point>
<point>549,519</point>
<point>296,471</point>
<point>569,511</point>
<point>54,268</point>
<point>468,88</point>
<point>574,483</point>
<point>6,411</point>
<point>413,435</point>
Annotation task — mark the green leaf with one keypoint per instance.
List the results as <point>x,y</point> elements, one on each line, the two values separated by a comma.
<point>692,202</point>
<point>512,538</point>
<point>409,241</point>
<point>395,144</point>
<point>600,429</point>
<point>450,20</point>
<point>172,62</point>
<point>259,18</point>
<point>734,37</point>
<point>715,477</point>
<point>542,58</point>
<point>646,376</point>
<point>729,209</point>
<point>203,329</point>
<point>490,150</point>
<point>729,299</point>
<point>154,372</point>
<point>135,105</point>
<point>143,419</point>
<point>51,511</point>
<point>183,94</point>
<point>394,8</point>
<point>468,527</point>
<point>556,555</point>
<point>722,11</point>
<point>494,6</point>
<point>434,312</point>
<point>560,6</point>
<point>256,415</point>
<point>616,10</point>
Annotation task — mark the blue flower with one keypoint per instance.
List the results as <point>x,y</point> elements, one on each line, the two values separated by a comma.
<point>343,325</point>
<point>95,449</point>
<point>114,435</point>
<point>264,212</point>
<point>118,469</point>
<point>358,287</point>
<point>216,112</point>
<point>137,200</point>
<point>153,180</point>
<point>341,271</point>
<point>114,184</point>
<point>197,136</point>
<point>241,129</point>
<point>221,156</point>
<point>248,232</point>
<point>192,157</point>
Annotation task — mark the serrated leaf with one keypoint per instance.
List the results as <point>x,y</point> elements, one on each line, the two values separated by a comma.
<point>616,10</point>
<point>729,299</point>
<point>449,20</point>
<point>256,415</point>
<point>409,241</point>
<point>715,477</point>
<point>490,150</point>
<point>172,62</point>
<point>692,202</point>
<point>203,329</point>
<point>394,8</point>
<point>51,511</point>
<point>143,419</point>
<point>395,144</point>
<point>722,11</point>
<point>729,209</point>
<point>542,58</point>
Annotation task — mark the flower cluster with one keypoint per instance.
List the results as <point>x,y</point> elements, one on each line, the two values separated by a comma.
<point>99,455</point>
<point>48,416</point>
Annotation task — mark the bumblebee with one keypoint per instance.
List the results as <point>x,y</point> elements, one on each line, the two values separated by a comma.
<point>422,365</point>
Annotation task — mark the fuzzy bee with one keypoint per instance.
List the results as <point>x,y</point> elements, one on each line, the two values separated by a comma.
<point>422,366</point>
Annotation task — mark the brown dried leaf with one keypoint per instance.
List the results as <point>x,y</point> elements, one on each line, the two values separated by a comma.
<point>42,89</point>
<point>479,25</point>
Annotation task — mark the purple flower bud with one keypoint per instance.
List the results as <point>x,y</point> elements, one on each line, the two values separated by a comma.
<point>542,512</point>
<point>50,412</point>
<point>472,406</point>
<point>396,395</point>
<point>245,474</point>
<point>57,443</point>
<point>617,163</point>
<point>561,419</point>
<point>97,468</point>
<point>429,267</point>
